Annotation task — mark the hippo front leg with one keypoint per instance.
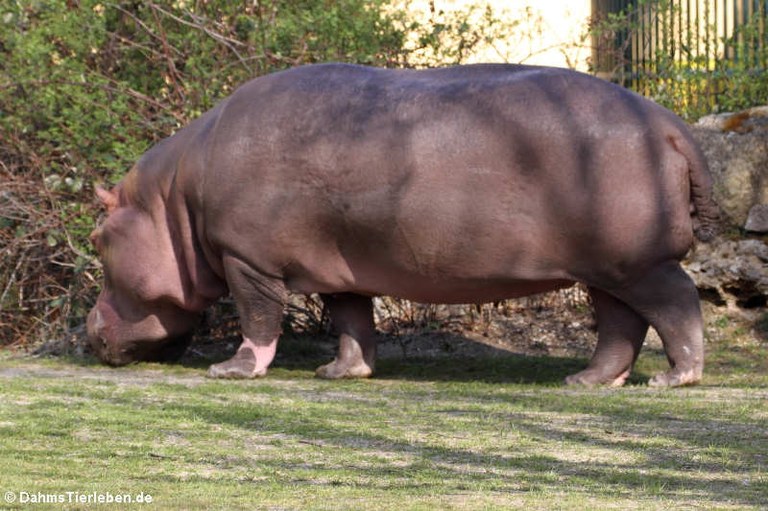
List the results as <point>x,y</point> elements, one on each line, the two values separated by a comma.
<point>352,316</point>
<point>250,361</point>
<point>260,301</point>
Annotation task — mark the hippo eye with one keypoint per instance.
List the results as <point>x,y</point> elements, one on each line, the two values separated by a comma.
<point>95,236</point>
<point>97,240</point>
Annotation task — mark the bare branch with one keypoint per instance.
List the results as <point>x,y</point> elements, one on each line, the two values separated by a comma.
<point>197,24</point>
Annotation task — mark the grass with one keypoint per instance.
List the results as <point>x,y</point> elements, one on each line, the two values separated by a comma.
<point>443,433</point>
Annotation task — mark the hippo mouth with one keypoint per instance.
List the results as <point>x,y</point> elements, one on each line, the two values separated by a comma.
<point>116,352</point>
<point>167,350</point>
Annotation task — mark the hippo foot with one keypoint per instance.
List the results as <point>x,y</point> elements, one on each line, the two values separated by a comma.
<point>338,369</point>
<point>592,377</point>
<point>676,378</point>
<point>241,366</point>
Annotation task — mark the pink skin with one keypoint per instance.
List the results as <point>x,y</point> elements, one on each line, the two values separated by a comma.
<point>250,361</point>
<point>149,302</point>
<point>586,379</point>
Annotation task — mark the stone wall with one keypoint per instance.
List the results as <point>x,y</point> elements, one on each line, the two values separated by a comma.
<point>733,270</point>
<point>736,147</point>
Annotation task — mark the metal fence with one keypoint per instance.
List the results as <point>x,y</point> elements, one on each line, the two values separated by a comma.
<point>684,53</point>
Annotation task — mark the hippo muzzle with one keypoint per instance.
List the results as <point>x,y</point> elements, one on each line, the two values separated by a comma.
<point>119,350</point>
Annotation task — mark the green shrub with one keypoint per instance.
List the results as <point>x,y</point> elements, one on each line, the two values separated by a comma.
<point>87,86</point>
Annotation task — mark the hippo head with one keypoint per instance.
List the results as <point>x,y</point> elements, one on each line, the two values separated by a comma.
<point>142,313</point>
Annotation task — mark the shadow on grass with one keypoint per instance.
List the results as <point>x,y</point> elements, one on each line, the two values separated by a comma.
<point>690,451</point>
<point>502,368</point>
<point>661,472</point>
<point>429,356</point>
<point>452,358</point>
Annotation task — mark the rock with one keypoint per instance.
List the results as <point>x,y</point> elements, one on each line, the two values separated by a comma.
<point>739,122</point>
<point>731,272</point>
<point>736,147</point>
<point>757,219</point>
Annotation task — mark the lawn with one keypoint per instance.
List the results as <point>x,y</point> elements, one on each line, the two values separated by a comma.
<point>438,433</point>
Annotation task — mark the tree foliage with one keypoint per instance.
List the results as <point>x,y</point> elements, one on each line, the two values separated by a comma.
<point>86,86</point>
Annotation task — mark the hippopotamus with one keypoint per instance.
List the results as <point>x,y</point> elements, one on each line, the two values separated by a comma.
<point>464,184</point>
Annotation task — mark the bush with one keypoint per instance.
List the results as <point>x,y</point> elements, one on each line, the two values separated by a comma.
<point>87,86</point>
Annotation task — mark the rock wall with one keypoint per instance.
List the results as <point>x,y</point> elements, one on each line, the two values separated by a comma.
<point>731,272</point>
<point>736,147</point>
<point>734,271</point>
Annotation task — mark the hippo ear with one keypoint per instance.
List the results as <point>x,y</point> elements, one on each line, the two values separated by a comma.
<point>107,198</point>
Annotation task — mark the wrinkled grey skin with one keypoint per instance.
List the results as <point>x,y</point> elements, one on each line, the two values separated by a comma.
<point>456,185</point>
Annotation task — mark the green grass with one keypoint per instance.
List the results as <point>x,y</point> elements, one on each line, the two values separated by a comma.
<point>444,433</point>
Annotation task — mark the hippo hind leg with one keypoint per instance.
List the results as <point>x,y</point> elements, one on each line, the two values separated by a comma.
<point>620,335</point>
<point>667,298</point>
<point>352,317</point>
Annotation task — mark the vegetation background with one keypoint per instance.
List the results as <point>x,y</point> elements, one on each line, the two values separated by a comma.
<point>86,86</point>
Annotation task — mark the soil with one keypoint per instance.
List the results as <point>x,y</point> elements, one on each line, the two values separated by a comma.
<point>558,324</point>
<point>555,324</point>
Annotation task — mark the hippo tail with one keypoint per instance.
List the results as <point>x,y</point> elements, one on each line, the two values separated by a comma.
<point>705,209</point>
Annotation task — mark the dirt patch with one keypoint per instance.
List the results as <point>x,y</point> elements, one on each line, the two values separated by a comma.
<point>554,324</point>
<point>539,331</point>
<point>123,376</point>
<point>558,324</point>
